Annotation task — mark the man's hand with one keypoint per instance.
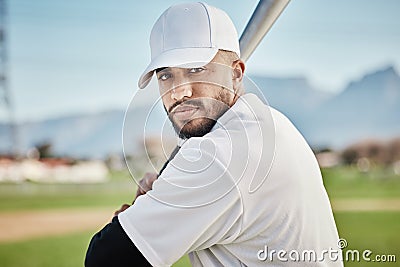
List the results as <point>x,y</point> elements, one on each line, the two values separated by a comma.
<point>123,207</point>
<point>146,183</point>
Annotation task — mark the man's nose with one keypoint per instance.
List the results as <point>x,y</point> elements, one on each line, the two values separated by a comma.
<point>181,91</point>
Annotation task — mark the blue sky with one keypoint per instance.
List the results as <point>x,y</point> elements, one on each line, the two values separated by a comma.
<point>68,57</point>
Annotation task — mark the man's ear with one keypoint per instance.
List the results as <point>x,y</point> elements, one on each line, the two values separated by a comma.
<point>238,68</point>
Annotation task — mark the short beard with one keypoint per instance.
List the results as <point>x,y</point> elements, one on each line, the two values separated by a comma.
<point>204,126</point>
<point>200,126</point>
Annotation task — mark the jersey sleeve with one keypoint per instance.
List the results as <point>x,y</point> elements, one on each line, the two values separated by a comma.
<point>112,247</point>
<point>193,205</point>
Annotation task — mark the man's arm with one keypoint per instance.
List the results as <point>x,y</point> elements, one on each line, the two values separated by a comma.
<point>112,247</point>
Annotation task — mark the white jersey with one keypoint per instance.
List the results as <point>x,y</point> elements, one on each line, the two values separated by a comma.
<point>248,193</point>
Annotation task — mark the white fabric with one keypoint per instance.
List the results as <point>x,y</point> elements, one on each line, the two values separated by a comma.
<point>251,182</point>
<point>189,34</point>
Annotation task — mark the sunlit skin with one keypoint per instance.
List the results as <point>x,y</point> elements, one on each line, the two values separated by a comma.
<point>195,98</point>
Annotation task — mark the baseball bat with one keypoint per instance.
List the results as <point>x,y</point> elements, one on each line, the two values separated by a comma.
<point>261,21</point>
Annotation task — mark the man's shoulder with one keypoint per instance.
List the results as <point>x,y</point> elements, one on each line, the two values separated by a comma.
<point>206,145</point>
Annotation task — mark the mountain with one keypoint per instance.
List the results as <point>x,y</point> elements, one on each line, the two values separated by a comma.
<point>78,135</point>
<point>294,97</point>
<point>368,107</point>
<point>85,135</point>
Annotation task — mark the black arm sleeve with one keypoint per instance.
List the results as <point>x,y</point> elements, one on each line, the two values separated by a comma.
<point>112,247</point>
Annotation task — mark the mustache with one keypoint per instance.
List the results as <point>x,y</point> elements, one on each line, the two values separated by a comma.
<point>192,102</point>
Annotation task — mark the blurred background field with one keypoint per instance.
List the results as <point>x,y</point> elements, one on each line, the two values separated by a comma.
<point>68,70</point>
<point>376,229</point>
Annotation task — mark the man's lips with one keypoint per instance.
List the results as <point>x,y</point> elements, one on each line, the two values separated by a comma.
<point>183,108</point>
<point>184,111</point>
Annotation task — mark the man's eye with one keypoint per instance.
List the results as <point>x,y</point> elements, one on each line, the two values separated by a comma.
<point>164,77</point>
<point>196,70</point>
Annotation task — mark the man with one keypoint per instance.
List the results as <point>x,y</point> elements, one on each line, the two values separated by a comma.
<point>244,189</point>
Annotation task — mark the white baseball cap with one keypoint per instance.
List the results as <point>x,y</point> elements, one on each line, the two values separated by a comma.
<point>189,35</point>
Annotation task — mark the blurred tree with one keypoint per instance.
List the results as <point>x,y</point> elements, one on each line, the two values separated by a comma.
<point>394,150</point>
<point>44,150</point>
<point>349,155</point>
<point>382,153</point>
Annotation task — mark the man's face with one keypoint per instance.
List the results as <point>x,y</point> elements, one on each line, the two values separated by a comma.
<point>195,98</point>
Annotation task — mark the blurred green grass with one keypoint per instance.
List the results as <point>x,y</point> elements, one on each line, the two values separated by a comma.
<point>33,196</point>
<point>349,182</point>
<point>61,251</point>
<point>377,231</point>
<point>340,182</point>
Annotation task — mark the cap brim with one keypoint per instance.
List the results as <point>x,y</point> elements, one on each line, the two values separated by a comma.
<point>184,58</point>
